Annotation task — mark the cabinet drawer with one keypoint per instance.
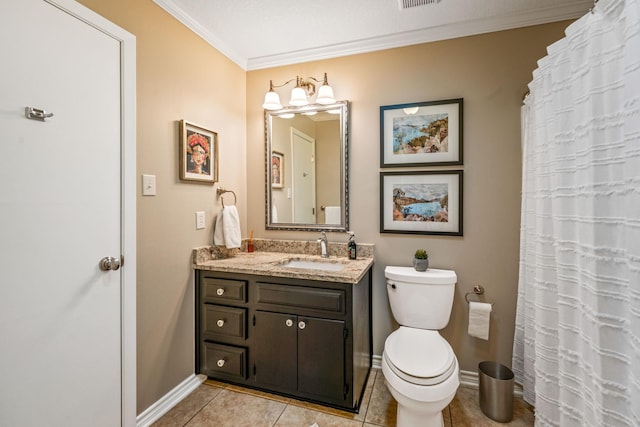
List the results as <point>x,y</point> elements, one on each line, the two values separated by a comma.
<point>225,360</point>
<point>329,300</point>
<point>220,321</point>
<point>221,290</point>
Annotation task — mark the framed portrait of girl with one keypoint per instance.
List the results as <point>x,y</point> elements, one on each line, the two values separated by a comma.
<point>198,153</point>
<point>277,169</point>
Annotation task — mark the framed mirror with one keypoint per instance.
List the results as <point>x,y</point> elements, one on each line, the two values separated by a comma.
<point>306,168</point>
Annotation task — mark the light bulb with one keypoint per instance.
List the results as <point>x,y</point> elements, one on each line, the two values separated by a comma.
<point>271,101</point>
<point>298,97</point>
<point>325,95</point>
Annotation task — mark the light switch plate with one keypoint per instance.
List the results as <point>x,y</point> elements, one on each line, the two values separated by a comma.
<point>148,185</point>
<point>200,220</point>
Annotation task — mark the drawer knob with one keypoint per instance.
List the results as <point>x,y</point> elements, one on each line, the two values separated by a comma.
<point>220,363</point>
<point>220,291</point>
<point>289,322</point>
<point>220,323</point>
<point>302,325</point>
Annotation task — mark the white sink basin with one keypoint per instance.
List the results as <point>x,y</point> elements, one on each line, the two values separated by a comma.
<point>313,265</point>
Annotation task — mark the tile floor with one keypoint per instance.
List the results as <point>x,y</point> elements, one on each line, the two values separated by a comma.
<point>216,404</point>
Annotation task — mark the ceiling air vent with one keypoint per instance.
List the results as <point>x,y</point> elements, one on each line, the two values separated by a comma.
<point>406,4</point>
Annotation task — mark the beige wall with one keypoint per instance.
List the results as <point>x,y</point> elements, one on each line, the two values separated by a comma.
<point>179,76</point>
<point>490,72</point>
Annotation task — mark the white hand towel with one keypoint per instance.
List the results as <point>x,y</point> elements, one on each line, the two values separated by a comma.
<point>332,215</point>
<point>218,234</point>
<point>231,227</point>
<point>479,319</point>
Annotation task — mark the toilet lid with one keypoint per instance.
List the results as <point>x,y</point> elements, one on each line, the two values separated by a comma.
<point>419,356</point>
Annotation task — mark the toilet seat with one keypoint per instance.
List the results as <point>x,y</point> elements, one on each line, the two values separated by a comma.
<point>419,356</point>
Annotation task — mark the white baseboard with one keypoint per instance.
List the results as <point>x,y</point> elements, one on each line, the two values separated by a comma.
<point>376,362</point>
<point>169,400</point>
<point>472,380</point>
<point>467,378</point>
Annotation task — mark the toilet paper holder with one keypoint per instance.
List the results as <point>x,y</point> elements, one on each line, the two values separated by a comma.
<point>478,290</point>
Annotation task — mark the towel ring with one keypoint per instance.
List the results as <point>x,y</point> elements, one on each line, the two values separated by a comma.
<point>478,290</point>
<point>221,191</point>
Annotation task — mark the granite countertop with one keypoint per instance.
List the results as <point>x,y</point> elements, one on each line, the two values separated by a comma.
<point>270,263</point>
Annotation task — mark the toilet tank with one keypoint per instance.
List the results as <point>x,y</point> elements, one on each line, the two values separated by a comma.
<point>420,299</point>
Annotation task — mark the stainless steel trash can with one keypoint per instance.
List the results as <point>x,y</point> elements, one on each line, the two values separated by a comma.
<point>496,391</point>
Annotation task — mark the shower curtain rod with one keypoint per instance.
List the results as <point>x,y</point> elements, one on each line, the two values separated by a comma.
<point>591,10</point>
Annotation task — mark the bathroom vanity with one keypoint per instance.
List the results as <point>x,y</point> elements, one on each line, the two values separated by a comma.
<point>293,324</point>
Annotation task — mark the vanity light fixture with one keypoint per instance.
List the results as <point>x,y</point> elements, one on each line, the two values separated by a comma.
<point>301,93</point>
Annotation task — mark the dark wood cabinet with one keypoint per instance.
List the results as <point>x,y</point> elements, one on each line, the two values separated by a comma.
<point>322,358</point>
<point>224,361</point>
<point>301,354</point>
<point>302,338</point>
<point>275,346</point>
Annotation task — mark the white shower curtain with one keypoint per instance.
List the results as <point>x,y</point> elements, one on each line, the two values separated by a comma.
<point>577,341</point>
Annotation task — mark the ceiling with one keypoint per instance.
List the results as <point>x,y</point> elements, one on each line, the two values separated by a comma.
<point>258,34</point>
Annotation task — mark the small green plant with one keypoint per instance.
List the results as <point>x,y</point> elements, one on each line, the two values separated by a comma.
<point>421,254</point>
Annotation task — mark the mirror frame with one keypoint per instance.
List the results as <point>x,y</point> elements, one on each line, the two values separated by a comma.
<point>344,168</point>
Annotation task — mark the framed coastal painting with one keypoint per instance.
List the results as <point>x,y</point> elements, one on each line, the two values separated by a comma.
<point>421,202</point>
<point>198,153</point>
<point>421,134</point>
<point>277,169</point>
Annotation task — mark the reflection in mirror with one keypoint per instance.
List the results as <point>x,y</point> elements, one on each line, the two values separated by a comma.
<point>307,168</point>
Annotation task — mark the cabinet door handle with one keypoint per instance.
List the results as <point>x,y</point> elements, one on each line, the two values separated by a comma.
<point>302,325</point>
<point>220,363</point>
<point>220,291</point>
<point>289,322</point>
<point>220,323</point>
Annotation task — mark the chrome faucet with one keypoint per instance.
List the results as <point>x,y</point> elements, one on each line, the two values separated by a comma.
<point>323,244</point>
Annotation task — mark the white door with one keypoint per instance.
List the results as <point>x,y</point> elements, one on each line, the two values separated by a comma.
<point>61,317</point>
<point>303,149</point>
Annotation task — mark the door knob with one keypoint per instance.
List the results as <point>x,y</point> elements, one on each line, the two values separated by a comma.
<point>289,322</point>
<point>302,325</point>
<point>109,263</point>
<point>220,323</point>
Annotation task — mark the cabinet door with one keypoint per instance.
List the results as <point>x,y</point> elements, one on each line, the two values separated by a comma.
<point>275,342</point>
<point>321,357</point>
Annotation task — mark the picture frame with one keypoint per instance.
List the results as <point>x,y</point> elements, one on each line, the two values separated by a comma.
<point>421,202</point>
<point>421,134</point>
<point>277,169</point>
<point>198,153</point>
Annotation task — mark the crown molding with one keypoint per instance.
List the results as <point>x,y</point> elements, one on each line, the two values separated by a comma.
<point>426,35</point>
<point>172,9</point>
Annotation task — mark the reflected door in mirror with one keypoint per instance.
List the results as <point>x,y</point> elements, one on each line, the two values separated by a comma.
<point>303,148</point>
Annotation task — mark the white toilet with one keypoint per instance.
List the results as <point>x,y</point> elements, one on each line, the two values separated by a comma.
<point>419,366</point>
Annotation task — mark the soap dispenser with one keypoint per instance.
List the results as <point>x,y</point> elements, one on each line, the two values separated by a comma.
<point>351,245</point>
